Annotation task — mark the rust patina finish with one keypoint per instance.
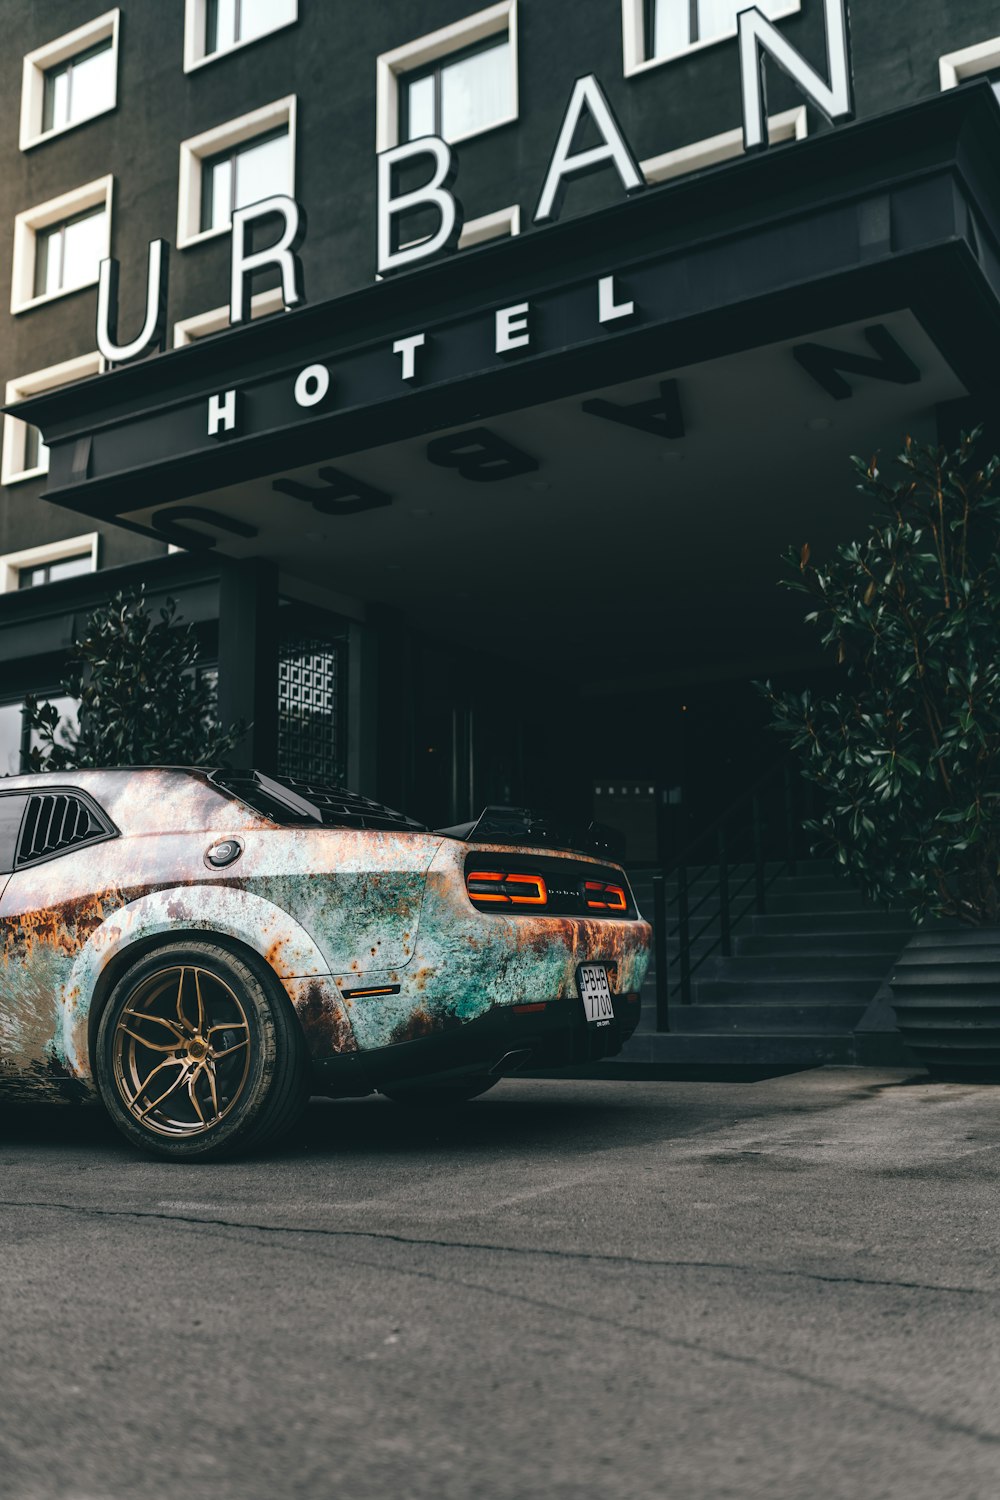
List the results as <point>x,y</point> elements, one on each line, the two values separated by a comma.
<point>328,909</point>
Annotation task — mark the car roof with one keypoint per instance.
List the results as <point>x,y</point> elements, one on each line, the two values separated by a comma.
<point>144,799</point>
<point>151,799</point>
<point>30,780</point>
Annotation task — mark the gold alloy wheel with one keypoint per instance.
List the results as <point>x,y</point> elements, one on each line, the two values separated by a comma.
<point>181,1051</point>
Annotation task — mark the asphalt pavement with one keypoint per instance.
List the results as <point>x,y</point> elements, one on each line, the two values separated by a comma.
<point>581,1290</point>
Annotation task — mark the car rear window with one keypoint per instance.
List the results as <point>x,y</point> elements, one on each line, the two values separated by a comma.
<point>304,803</point>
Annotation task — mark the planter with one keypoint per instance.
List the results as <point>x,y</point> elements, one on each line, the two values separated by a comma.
<point>946,995</point>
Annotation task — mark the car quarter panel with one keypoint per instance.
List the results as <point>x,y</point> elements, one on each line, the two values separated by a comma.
<point>467,962</point>
<point>357,891</point>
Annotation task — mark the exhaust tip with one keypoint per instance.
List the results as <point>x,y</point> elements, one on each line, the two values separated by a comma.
<point>510,1062</point>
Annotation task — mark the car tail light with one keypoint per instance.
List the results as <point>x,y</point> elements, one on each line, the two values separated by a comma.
<point>495,888</point>
<point>601,895</point>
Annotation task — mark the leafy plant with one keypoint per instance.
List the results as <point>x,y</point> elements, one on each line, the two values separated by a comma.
<point>908,751</point>
<point>142,700</point>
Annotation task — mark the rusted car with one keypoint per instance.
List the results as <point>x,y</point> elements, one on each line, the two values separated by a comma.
<point>201,950</point>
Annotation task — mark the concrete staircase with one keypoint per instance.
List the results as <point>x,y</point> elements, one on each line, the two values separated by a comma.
<point>799,981</point>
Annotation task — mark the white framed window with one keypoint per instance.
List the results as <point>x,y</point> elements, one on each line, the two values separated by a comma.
<point>33,575</point>
<point>67,725</point>
<point>49,562</point>
<point>11,737</point>
<point>957,67</point>
<point>456,82</point>
<point>16,742</point>
<point>59,245</point>
<point>501,224</point>
<point>655,31</point>
<point>190,330</point>
<point>70,80</point>
<point>232,166</point>
<point>790,125</point>
<point>214,28</point>
<point>24,454</point>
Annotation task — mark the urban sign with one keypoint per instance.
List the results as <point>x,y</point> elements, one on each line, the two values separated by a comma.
<point>758,40</point>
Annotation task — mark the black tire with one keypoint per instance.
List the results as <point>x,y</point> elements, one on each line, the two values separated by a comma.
<point>439,1095</point>
<point>223,1099</point>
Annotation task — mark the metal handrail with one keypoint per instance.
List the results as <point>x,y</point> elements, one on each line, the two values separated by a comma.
<point>744,816</point>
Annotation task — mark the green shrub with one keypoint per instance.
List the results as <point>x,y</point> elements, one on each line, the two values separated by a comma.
<point>142,700</point>
<point>907,752</point>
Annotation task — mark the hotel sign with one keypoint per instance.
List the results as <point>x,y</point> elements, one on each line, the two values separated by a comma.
<point>758,41</point>
<point>328,405</point>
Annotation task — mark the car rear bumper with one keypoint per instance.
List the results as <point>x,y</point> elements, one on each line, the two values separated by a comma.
<point>504,1040</point>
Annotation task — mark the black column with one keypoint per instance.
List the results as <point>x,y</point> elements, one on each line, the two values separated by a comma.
<point>396,687</point>
<point>362,710</point>
<point>248,659</point>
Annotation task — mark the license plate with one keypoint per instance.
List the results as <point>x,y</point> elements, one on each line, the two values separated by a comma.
<point>595,992</point>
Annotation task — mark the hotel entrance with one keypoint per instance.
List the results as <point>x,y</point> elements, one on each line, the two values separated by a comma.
<point>598,614</point>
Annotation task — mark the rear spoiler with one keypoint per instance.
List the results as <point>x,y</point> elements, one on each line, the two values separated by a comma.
<point>519,825</point>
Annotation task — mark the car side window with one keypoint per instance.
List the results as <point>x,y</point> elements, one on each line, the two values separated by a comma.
<point>12,805</point>
<point>56,821</point>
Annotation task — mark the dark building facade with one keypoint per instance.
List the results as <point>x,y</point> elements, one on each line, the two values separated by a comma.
<point>502,523</point>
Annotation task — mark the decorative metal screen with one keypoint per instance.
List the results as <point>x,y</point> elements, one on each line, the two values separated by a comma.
<point>310,710</point>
